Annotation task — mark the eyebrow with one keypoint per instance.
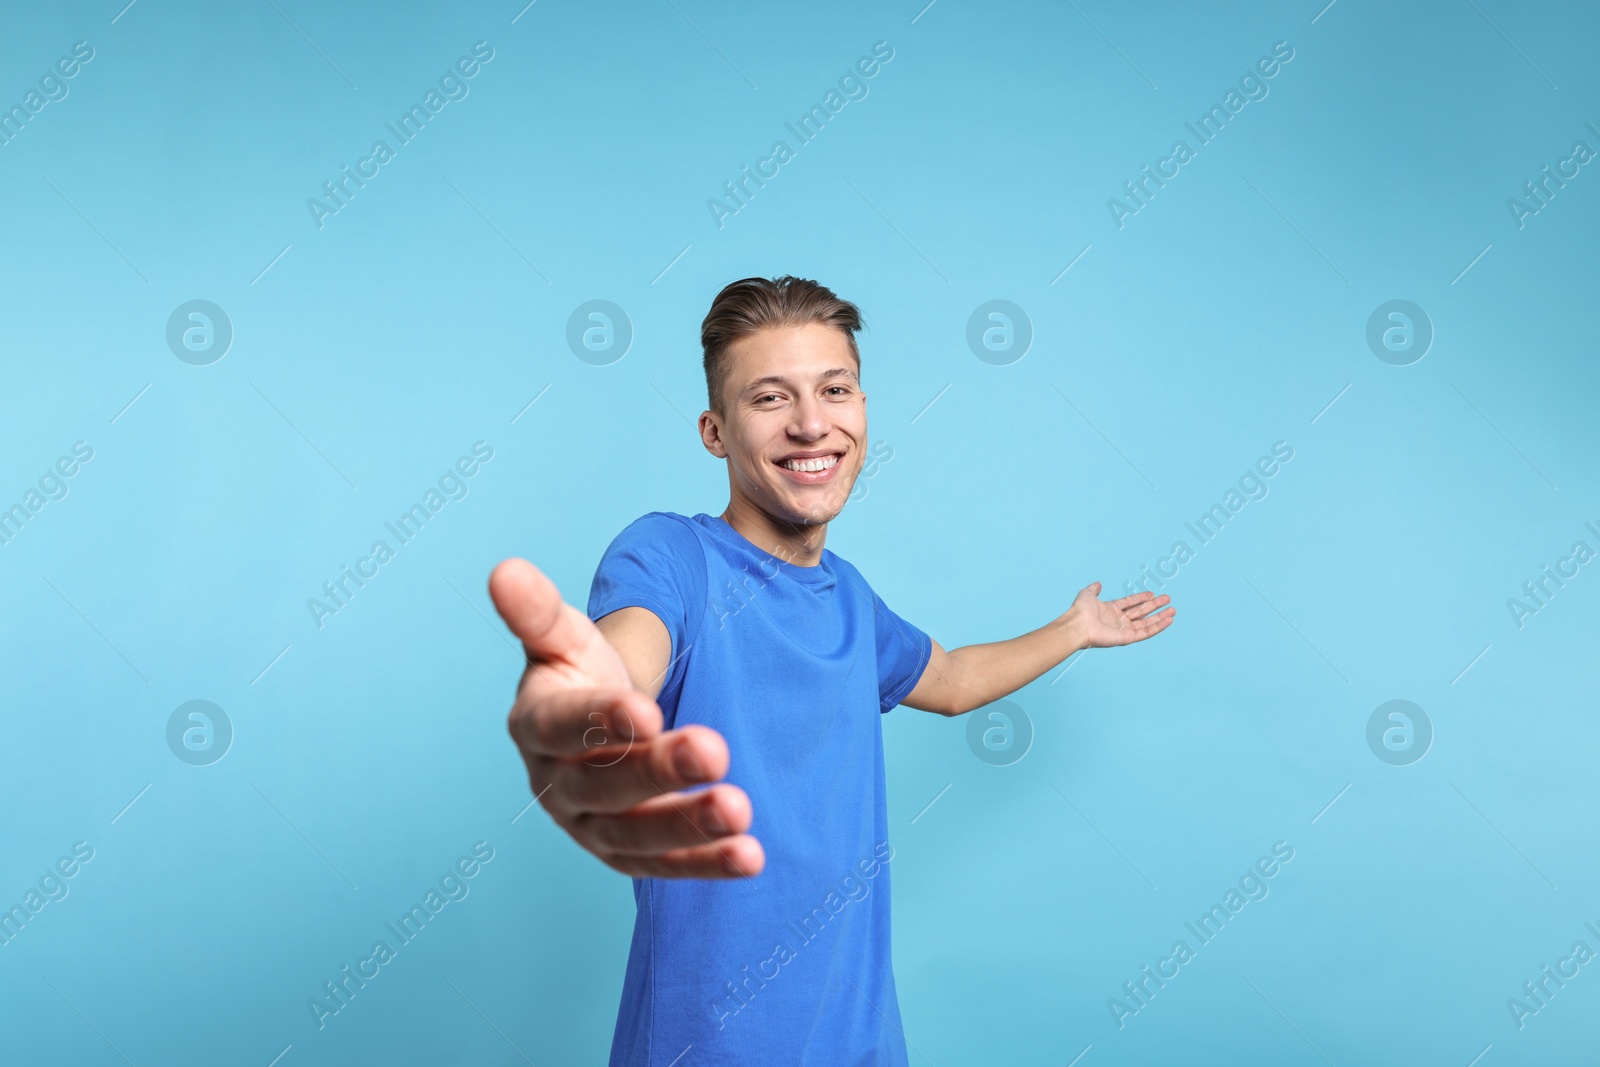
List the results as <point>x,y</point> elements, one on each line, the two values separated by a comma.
<point>778,379</point>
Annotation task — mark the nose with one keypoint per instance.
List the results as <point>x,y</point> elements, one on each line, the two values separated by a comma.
<point>809,421</point>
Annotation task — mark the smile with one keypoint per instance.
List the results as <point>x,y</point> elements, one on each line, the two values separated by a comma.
<point>810,470</point>
<point>821,463</point>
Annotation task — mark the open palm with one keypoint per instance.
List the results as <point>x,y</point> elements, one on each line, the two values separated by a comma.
<point>1107,623</point>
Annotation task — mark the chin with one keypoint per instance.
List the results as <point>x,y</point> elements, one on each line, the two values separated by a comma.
<point>823,512</point>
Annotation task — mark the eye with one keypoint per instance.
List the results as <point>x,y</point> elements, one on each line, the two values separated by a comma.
<point>764,398</point>
<point>838,390</point>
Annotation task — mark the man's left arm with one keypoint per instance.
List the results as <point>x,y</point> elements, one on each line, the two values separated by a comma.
<point>965,678</point>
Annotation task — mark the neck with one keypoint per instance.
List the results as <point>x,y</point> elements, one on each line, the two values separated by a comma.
<point>791,542</point>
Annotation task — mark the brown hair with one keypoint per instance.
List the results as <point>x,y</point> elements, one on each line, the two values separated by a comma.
<point>751,304</point>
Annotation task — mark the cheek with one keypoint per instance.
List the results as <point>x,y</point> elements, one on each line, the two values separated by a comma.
<point>761,436</point>
<point>851,416</point>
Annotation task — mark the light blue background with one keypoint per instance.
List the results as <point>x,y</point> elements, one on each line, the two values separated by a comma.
<point>1226,315</point>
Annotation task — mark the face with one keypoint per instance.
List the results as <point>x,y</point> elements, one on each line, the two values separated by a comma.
<point>794,427</point>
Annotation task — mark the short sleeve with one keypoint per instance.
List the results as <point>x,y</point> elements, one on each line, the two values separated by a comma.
<point>656,563</point>
<point>903,654</point>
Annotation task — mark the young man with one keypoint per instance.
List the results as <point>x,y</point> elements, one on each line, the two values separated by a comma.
<point>711,726</point>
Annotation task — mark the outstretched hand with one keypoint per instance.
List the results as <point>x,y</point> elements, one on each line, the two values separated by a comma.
<point>598,758</point>
<point>1108,623</point>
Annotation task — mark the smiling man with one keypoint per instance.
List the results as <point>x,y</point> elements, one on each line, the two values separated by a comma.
<point>711,726</point>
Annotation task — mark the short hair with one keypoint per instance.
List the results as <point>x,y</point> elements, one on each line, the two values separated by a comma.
<point>752,304</point>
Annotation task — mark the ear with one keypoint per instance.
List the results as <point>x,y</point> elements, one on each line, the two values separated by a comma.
<point>711,434</point>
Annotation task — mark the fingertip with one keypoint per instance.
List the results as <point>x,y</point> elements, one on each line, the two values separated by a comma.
<point>743,857</point>
<point>709,747</point>
<point>732,807</point>
<point>506,573</point>
<point>524,597</point>
<point>634,716</point>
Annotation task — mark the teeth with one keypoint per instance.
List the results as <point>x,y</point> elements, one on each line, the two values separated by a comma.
<point>811,465</point>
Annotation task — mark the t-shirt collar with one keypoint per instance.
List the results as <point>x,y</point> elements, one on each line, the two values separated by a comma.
<point>719,526</point>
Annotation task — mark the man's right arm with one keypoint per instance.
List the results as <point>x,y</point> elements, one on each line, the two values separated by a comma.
<point>590,732</point>
<point>644,644</point>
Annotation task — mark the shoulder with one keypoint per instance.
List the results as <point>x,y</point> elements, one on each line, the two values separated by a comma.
<point>852,578</point>
<point>662,529</point>
<point>847,574</point>
<point>656,561</point>
<point>841,566</point>
<point>659,546</point>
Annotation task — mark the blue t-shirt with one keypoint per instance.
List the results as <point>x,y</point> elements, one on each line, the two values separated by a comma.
<point>792,665</point>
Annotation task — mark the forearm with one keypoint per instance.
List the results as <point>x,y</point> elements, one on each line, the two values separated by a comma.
<point>987,672</point>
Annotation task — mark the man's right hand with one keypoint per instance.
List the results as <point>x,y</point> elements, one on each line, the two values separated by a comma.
<point>597,757</point>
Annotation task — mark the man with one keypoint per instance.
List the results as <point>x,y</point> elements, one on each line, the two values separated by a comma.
<point>710,725</point>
